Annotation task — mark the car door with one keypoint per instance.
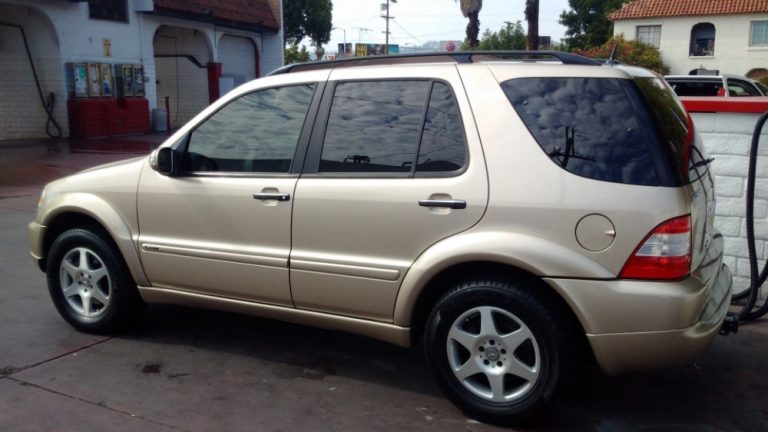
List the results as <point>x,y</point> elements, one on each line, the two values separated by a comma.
<point>221,226</point>
<point>394,166</point>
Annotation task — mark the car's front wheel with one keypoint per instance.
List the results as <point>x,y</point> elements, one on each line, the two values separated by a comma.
<point>496,349</point>
<point>89,282</point>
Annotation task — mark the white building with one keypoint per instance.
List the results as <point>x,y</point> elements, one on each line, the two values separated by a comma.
<point>730,36</point>
<point>188,52</point>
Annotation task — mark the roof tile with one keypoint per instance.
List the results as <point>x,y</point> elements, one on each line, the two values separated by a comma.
<point>667,8</point>
<point>242,12</point>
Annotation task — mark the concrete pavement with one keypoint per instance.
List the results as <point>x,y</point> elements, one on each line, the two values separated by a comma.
<point>194,370</point>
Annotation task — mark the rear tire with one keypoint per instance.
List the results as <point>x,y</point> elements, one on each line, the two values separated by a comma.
<point>496,349</point>
<point>89,283</point>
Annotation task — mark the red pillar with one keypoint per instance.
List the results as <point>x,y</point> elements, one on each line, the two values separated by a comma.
<point>214,73</point>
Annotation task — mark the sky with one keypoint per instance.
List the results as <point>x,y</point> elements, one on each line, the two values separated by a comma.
<point>419,21</point>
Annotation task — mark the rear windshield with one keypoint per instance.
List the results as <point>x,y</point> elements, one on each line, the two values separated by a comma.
<point>601,128</point>
<point>671,121</point>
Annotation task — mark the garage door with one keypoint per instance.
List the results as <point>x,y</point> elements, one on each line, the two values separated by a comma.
<point>238,61</point>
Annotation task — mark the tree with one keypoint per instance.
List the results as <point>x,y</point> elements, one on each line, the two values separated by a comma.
<point>471,9</point>
<point>307,18</point>
<point>587,23</point>
<point>294,55</point>
<point>510,37</point>
<point>632,52</point>
<point>532,16</point>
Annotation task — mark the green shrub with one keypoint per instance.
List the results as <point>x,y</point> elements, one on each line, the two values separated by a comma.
<point>631,52</point>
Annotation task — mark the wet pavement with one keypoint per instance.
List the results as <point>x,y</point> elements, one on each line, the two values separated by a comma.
<point>194,370</point>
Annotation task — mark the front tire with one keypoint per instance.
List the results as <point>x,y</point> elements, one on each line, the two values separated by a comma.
<point>495,349</point>
<point>89,282</point>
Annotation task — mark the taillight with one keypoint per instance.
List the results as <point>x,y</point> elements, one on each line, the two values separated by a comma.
<point>664,254</point>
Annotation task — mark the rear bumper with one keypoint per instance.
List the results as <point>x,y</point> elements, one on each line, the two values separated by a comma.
<point>644,325</point>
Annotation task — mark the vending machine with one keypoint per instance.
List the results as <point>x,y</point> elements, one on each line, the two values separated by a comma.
<point>94,80</point>
<point>107,86</point>
<point>124,80</point>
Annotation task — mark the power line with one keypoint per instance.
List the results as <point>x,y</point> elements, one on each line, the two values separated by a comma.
<point>407,32</point>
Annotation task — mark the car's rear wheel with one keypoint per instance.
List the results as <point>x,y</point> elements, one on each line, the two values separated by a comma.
<point>89,282</point>
<point>496,349</point>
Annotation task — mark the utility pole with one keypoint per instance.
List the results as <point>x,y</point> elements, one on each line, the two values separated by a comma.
<point>387,18</point>
<point>344,54</point>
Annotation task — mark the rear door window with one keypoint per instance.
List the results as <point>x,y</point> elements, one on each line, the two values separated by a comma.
<point>395,127</point>
<point>592,127</point>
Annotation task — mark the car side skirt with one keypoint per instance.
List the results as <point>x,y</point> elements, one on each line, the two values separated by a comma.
<point>391,333</point>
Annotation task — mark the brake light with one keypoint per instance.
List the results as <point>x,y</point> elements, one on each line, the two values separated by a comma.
<point>664,254</point>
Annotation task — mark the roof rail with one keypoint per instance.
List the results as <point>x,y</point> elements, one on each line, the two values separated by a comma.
<point>440,57</point>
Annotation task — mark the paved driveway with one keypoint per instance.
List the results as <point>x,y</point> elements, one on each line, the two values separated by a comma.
<point>194,370</point>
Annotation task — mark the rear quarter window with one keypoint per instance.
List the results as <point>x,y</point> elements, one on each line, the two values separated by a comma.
<point>597,128</point>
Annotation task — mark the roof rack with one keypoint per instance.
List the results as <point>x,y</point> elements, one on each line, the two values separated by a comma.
<point>440,57</point>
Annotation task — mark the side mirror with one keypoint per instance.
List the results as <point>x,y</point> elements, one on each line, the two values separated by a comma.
<point>165,160</point>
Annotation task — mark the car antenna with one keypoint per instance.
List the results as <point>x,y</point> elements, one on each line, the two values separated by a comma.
<point>612,56</point>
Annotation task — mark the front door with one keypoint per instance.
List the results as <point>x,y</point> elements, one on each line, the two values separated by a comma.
<point>223,225</point>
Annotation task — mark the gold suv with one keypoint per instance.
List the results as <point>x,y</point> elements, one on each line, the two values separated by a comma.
<point>500,210</point>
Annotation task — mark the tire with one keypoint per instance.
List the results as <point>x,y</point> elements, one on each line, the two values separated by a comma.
<point>89,283</point>
<point>496,349</point>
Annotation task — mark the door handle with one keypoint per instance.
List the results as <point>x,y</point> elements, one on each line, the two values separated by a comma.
<point>275,196</point>
<point>447,203</point>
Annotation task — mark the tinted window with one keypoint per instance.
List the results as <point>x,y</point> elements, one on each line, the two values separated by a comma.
<point>374,126</point>
<point>591,127</point>
<point>114,10</point>
<point>257,132</point>
<point>697,88</point>
<point>671,121</point>
<point>442,143</point>
<point>741,88</point>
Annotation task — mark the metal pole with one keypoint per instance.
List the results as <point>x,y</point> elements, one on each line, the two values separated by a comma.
<point>386,45</point>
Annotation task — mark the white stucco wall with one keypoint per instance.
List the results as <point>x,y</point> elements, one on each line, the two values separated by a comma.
<point>732,51</point>
<point>21,113</point>
<point>727,138</point>
<point>73,37</point>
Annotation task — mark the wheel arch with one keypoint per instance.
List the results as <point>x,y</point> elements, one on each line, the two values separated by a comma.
<point>448,277</point>
<point>98,214</point>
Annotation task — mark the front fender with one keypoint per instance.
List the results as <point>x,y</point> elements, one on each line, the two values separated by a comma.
<point>110,218</point>
<point>537,256</point>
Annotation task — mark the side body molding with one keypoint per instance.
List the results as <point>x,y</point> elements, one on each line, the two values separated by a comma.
<point>535,255</point>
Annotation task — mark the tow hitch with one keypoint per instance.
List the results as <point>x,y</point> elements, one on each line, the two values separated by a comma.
<point>730,325</point>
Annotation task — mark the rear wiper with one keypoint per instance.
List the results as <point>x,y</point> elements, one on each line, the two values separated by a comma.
<point>701,163</point>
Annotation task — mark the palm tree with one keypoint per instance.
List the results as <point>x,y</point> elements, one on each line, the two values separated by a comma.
<point>532,16</point>
<point>471,9</point>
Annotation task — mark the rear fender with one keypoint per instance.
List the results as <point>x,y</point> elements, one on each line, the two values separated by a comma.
<point>542,258</point>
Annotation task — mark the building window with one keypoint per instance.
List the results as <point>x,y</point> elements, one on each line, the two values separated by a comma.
<point>759,33</point>
<point>649,34</point>
<point>702,40</point>
<point>113,10</point>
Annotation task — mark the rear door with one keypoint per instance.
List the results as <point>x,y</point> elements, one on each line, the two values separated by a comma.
<point>394,166</point>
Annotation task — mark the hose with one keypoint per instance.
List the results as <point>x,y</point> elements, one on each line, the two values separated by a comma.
<point>748,312</point>
<point>51,101</point>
